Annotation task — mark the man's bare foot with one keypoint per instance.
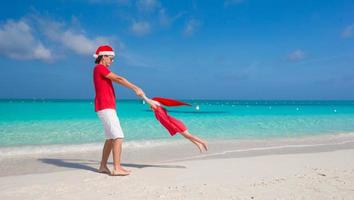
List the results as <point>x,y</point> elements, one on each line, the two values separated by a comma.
<point>104,169</point>
<point>127,170</point>
<point>119,172</point>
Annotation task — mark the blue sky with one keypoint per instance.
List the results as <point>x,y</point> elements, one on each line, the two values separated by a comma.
<point>232,49</point>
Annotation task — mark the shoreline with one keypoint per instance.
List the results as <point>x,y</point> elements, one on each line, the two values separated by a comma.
<point>48,149</point>
<point>71,157</point>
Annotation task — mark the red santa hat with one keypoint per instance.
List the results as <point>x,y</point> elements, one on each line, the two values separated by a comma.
<point>104,50</point>
<point>170,102</point>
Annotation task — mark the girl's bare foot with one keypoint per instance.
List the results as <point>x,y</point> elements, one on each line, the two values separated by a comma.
<point>205,145</point>
<point>200,147</point>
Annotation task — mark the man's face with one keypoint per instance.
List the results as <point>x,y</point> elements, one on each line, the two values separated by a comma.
<point>108,60</point>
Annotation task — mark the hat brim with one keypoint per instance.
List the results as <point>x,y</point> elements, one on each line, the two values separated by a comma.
<point>104,53</point>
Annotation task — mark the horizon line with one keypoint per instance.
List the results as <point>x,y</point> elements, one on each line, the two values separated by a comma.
<point>192,99</point>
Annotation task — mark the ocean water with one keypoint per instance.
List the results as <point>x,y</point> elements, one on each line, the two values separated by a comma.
<point>57,122</point>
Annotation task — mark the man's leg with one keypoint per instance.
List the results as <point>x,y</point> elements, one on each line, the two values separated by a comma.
<point>117,151</point>
<point>107,148</point>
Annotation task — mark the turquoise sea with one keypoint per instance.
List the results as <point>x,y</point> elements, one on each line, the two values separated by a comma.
<point>48,122</point>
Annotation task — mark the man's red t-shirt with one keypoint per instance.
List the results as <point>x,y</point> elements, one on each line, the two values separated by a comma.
<point>105,96</point>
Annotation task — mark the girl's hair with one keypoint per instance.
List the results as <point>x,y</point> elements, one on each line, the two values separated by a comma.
<point>98,59</point>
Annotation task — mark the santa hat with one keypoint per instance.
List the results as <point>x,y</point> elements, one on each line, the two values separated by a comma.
<point>170,102</point>
<point>104,50</point>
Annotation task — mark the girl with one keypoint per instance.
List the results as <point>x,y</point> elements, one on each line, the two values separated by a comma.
<point>172,124</point>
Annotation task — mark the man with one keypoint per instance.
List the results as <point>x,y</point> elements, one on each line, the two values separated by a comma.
<point>105,106</point>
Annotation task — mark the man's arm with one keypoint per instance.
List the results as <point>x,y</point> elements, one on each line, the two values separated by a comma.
<point>121,80</point>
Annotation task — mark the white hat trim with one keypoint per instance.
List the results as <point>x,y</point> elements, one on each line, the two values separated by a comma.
<point>104,53</point>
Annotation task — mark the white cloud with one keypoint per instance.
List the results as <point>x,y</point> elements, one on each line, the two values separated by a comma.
<point>70,38</point>
<point>147,5</point>
<point>348,31</point>
<point>79,43</point>
<point>297,55</point>
<point>191,27</point>
<point>165,19</point>
<point>18,42</point>
<point>141,28</point>
<point>22,39</point>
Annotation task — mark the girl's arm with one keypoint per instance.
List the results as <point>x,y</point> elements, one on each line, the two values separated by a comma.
<point>151,102</point>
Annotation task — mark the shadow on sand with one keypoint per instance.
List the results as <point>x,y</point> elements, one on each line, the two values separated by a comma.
<point>87,164</point>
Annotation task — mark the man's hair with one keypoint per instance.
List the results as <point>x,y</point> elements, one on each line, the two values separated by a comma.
<point>98,59</point>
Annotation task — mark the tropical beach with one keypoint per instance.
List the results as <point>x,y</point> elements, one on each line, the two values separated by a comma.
<point>156,99</point>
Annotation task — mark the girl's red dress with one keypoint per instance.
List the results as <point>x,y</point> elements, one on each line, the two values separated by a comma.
<point>172,124</point>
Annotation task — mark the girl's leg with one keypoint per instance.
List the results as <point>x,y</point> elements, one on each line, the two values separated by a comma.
<point>196,143</point>
<point>107,148</point>
<point>197,139</point>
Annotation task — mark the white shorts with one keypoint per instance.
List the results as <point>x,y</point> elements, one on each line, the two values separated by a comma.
<point>110,123</point>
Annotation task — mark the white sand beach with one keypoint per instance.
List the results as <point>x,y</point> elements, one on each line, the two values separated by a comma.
<point>320,167</point>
